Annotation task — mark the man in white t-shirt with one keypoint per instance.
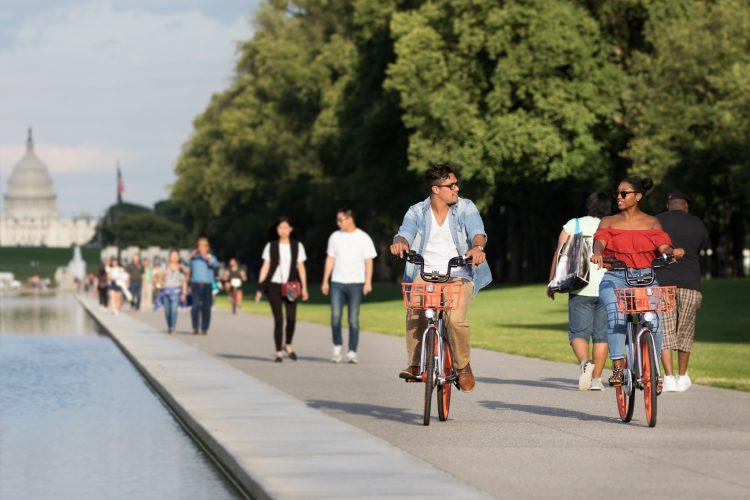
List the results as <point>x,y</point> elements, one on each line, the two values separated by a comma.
<point>347,277</point>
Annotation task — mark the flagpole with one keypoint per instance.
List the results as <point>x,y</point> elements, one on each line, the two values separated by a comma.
<point>118,211</point>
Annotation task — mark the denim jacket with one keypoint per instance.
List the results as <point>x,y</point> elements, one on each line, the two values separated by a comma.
<point>465,223</point>
<point>201,271</point>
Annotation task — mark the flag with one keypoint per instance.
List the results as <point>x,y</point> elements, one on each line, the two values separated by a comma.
<point>120,185</point>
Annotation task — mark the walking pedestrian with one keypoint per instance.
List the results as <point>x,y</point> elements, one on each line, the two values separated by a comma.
<point>102,286</point>
<point>234,278</point>
<point>135,271</point>
<point>283,279</point>
<point>173,289</point>
<point>689,232</point>
<point>202,267</point>
<point>117,284</point>
<point>587,317</point>
<point>347,276</point>
<point>147,289</point>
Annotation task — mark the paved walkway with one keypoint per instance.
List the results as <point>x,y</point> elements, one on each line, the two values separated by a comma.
<point>525,431</point>
<point>274,445</point>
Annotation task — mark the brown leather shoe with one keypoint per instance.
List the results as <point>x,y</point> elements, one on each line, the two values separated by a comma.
<point>466,379</point>
<point>410,374</point>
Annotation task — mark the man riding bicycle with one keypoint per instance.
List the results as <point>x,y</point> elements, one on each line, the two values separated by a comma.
<point>439,228</point>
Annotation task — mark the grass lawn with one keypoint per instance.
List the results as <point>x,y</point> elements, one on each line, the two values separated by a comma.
<point>25,262</point>
<point>522,320</point>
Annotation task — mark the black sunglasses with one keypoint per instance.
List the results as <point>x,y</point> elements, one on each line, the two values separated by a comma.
<point>451,186</point>
<point>622,194</point>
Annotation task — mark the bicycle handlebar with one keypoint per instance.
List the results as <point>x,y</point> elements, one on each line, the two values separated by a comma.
<point>435,277</point>
<point>662,261</point>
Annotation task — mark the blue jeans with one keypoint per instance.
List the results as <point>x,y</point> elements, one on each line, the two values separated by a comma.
<point>200,312</point>
<point>171,301</point>
<point>616,321</point>
<point>352,294</point>
<point>135,291</point>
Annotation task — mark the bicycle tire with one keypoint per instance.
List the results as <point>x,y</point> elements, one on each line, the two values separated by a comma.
<point>444,389</point>
<point>649,377</point>
<point>625,403</point>
<point>429,375</point>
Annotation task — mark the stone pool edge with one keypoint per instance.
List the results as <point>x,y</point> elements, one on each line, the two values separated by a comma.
<point>230,412</point>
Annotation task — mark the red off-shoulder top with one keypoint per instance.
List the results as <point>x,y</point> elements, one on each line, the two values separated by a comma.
<point>635,247</point>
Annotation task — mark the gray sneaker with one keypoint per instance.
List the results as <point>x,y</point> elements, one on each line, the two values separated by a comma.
<point>587,370</point>
<point>596,384</point>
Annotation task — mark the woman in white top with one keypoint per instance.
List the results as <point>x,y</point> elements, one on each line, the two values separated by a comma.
<point>587,318</point>
<point>117,283</point>
<point>283,279</point>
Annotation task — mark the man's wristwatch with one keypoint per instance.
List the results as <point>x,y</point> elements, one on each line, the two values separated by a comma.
<point>480,247</point>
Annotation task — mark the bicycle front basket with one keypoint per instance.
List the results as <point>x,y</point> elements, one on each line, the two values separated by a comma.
<point>438,296</point>
<point>643,299</point>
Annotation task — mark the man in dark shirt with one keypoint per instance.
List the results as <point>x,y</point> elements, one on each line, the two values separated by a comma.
<point>135,270</point>
<point>688,232</point>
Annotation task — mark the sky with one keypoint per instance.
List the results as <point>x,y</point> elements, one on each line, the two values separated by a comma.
<point>107,80</point>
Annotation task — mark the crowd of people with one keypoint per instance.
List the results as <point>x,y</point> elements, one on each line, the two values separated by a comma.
<point>439,228</point>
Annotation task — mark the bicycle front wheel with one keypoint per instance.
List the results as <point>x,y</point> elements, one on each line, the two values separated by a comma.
<point>625,402</point>
<point>430,349</point>
<point>444,389</point>
<point>650,377</point>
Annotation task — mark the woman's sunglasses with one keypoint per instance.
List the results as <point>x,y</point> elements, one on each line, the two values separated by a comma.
<point>622,194</point>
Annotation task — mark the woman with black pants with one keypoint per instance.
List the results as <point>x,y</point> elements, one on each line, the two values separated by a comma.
<point>283,279</point>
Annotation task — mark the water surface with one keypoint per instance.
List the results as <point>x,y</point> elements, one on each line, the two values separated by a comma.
<point>78,421</point>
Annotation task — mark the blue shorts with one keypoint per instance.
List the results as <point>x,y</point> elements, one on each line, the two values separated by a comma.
<point>587,319</point>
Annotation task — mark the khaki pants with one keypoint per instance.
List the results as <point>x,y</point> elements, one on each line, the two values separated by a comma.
<point>458,329</point>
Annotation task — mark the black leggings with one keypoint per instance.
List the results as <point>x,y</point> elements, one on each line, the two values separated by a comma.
<point>103,296</point>
<point>275,298</point>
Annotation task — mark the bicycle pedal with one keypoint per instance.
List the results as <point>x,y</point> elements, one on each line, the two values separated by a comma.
<point>410,378</point>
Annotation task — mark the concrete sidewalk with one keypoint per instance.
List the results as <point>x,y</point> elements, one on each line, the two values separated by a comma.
<point>273,444</point>
<point>526,431</point>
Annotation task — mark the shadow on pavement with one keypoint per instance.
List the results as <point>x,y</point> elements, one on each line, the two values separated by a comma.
<point>314,359</point>
<point>548,383</point>
<point>375,411</point>
<point>547,411</point>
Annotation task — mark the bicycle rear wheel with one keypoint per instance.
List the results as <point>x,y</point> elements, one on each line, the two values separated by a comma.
<point>625,402</point>
<point>649,376</point>
<point>444,389</point>
<point>430,348</point>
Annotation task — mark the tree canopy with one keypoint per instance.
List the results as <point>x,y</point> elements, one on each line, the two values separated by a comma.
<point>339,103</point>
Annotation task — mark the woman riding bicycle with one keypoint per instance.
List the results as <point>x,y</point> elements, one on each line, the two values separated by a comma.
<point>635,238</point>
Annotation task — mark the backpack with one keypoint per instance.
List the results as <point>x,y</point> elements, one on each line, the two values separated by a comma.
<point>572,271</point>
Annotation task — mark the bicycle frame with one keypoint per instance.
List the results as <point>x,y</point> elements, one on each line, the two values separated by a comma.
<point>436,324</point>
<point>635,355</point>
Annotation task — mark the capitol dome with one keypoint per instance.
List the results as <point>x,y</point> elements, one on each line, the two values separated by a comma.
<point>30,194</point>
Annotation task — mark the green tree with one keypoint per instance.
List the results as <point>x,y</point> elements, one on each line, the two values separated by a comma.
<point>690,111</point>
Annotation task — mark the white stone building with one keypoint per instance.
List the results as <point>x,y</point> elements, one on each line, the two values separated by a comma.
<point>29,215</point>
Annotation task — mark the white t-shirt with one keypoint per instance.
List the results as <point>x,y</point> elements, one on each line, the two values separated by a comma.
<point>285,257</point>
<point>349,252</point>
<point>440,248</point>
<point>588,226</point>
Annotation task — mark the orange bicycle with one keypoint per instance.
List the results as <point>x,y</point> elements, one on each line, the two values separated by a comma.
<point>640,303</point>
<point>436,297</point>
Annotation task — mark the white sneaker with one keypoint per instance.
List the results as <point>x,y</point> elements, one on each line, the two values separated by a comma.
<point>670,383</point>
<point>596,384</point>
<point>336,358</point>
<point>683,383</point>
<point>587,370</point>
<point>351,357</point>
